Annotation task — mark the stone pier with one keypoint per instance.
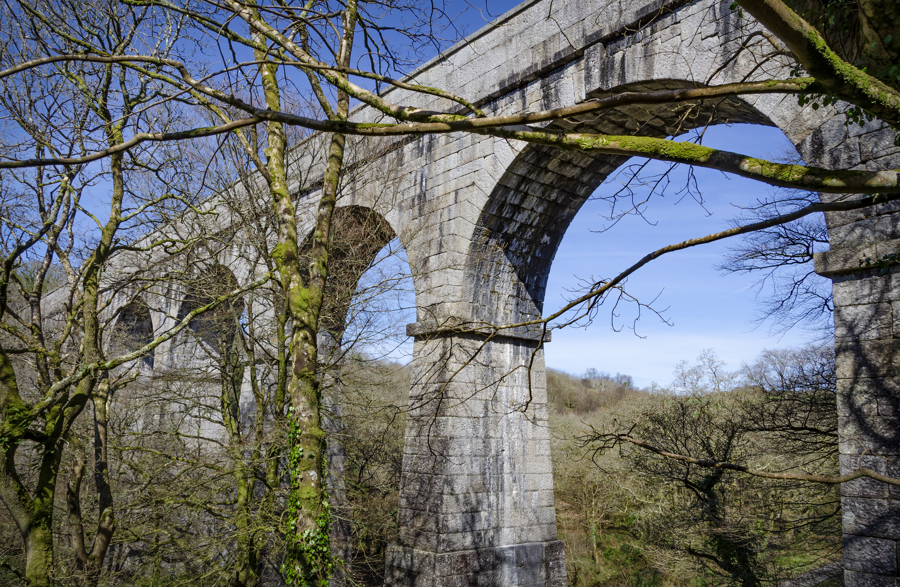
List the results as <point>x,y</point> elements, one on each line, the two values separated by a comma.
<point>476,503</point>
<point>864,264</point>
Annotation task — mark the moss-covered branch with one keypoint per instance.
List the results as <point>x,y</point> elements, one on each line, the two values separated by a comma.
<point>779,174</point>
<point>839,77</point>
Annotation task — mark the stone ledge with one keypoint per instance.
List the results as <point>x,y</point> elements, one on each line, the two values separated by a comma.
<point>849,259</point>
<point>456,328</point>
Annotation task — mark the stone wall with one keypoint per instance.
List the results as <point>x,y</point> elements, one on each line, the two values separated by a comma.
<point>481,219</point>
<point>865,246</point>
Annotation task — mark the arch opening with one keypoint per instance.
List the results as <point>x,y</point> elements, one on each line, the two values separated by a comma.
<point>216,328</point>
<point>364,389</point>
<point>136,328</point>
<point>532,205</point>
<point>531,212</point>
<point>365,260</point>
<point>702,305</point>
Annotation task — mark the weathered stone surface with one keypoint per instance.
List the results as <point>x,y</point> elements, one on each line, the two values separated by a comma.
<point>864,579</point>
<point>481,219</point>
<point>872,555</point>
<point>865,487</point>
<point>877,518</point>
<point>521,565</point>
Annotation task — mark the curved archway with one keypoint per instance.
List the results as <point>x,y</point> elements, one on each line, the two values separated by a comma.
<point>533,203</point>
<point>216,328</point>
<point>479,409</point>
<point>136,328</point>
<point>358,233</point>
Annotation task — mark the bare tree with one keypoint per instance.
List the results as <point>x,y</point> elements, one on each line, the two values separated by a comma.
<point>316,42</point>
<point>200,445</point>
<point>780,417</point>
<point>71,221</point>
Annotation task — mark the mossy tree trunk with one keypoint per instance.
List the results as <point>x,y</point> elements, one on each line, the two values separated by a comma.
<point>308,560</point>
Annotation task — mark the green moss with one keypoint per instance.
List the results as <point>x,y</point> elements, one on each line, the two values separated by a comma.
<point>642,146</point>
<point>777,171</point>
<point>876,91</point>
<point>307,494</point>
<point>657,148</point>
<point>279,253</point>
<point>299,299</point>
<point>320,265</point>
<point>802,83</point>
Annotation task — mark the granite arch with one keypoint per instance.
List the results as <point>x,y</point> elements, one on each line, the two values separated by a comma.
<point>496,210</point>
<point>481,217</point>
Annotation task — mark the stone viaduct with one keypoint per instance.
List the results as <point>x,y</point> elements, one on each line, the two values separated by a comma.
<point>481,219</point>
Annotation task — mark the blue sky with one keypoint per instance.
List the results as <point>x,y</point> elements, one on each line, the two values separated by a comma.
<point>707,308</point>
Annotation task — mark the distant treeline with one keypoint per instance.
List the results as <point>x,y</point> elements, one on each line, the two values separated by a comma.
<point>586,393</point>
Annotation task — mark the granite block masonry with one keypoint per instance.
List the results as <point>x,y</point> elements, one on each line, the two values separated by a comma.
<point>481,219</point>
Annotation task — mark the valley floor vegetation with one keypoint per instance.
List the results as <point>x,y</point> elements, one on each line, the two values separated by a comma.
<point>629,517</point>
<point>633,518</point>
